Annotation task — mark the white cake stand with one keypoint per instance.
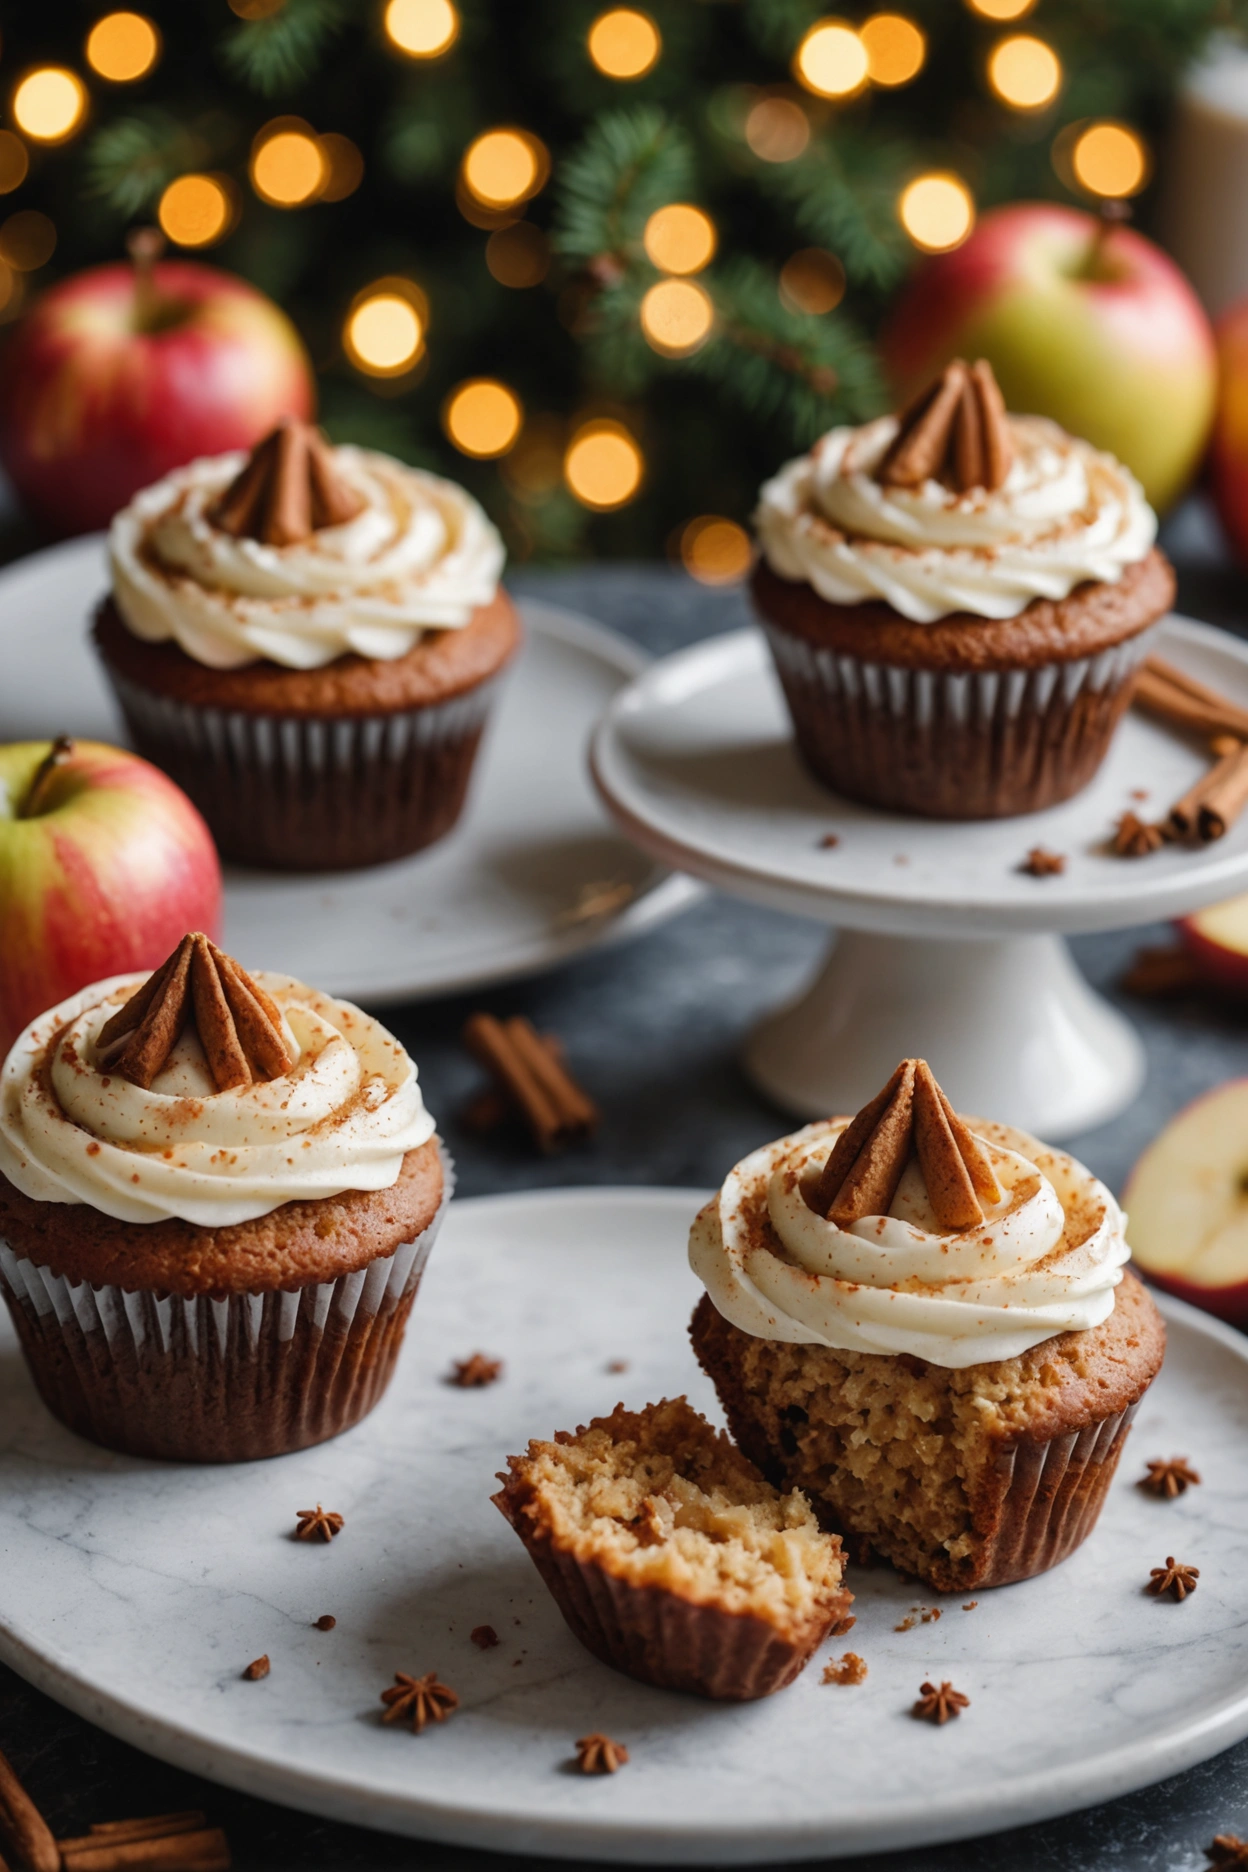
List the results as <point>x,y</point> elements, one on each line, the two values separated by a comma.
<point>946,949</point>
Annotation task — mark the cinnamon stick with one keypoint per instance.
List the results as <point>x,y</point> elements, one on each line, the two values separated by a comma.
<point>1224,798</point>
<point>156,1826</point>
<point>530,1070</point>
<point>1183,702</point>
<point>203,1851</point>
<point>23,1829</point>
<point>1185,812</point>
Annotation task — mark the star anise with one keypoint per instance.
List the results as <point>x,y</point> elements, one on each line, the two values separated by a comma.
<point>423,1699</point>
<point>938,1705</point>
<point>1168,1478</point>
<point>478,1370</point>
<point>1041,863</point>
<point>598,1754</point>
<point>1172,1578</point>
<point>317,1524</point>
<point>1135,837</point>
<point>1227,1850</point>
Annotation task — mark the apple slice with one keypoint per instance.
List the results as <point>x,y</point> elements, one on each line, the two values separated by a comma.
<point>1216,938</point>
<point>1187,1203</point>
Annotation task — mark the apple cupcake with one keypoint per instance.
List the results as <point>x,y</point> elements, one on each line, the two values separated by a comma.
<point>925,1323</point>
<point>957,600</point>
<point>218,1193</point>
<point>308,640</point>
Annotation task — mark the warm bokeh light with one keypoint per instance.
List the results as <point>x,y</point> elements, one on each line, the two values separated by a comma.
<point>385,333</point>
<point>1001,9</point>
<point>715,551</point>
<point>504,167</point>
<point>831,60</point>
<point>122,47</point>
<point>422,28</point>
<point>14,162</point>
<point>603,465</point>
<point>344,166</point>
<point>777,129</point>
<point>49,104</point>
<point>10,284</point>
<point>812,281</point>
<point>1109,159</point>
<point>895,48</point>
<point>482,417</point>
<point>679,238</point>
<point>287,167</point>
<point>624,43</point>
<point>195,210</point>
<point>1024,72</point>
<point>937,211</point>
<point>676,317</point>
<point>518,255</point>
<point>27,240</point>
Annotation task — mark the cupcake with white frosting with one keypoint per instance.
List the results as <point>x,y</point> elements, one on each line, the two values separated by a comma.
<point>218,1192</point>
<point>308,639</point>
<point>957,600</point>
<point>926,1323</point>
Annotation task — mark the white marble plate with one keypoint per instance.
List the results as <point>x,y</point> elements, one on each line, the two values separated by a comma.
<point>533,874</point>
<point>136,1593</point>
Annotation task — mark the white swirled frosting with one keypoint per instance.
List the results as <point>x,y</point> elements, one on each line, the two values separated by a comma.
<point>342,1117</point>
<point>420,555</point>
<point>1066,513</point>
<point>1045,1260</point>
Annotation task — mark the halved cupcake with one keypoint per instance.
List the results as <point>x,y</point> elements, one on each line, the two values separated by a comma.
<point>670,1556</point>
<point>308,640</point>
<point>957,601</point>
<point>924,1321</point>
<point>218,1193</point>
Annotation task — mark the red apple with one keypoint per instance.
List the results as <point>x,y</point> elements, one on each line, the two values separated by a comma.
<point>104,866</point>
<point>123,372</point>
<point>1187,1204</point>
<point>1228,454</point>
<point>1216,938</point>
<point>1090,325</point>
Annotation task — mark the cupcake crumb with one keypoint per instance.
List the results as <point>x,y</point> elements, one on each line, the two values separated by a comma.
<point>829,840</point>
<point>258,1668</point>
<point>326,1622</point>
<point>851,1669</point>
<point>476,1370</point>
<point>970,1605</point>
<point>1041,863</point>
<point>484,1637</point>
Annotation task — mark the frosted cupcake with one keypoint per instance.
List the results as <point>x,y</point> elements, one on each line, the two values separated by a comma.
<point>218,1193</point>
<point>957,601</point>
<point>925,1323</point>
<point>308,640</point>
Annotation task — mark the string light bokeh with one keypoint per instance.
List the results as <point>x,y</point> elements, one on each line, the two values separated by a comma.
<point>50,104</point>
<point>676,317</point>
<point>423,29</point>
<point>504,167</point>
<point>1001,9</point>
<point>195,210</point>
<point>14,162</point>
<point>831,60</point>
<point>287,166</point>
<point>895,49</point>
<point>123,47</point>
<point>812,281</point>
<point>679,238</point>
<point>518,255</point>
<point>1110,160</point>
<point>1024,72</point>
<point>27,240</point>
<point>937,211</point>
<point>715,550</point>
<point>603,466</point>
<point>482,417</point>
<point>624,43</point>
<point>383,334</point>
<point>777,129</point>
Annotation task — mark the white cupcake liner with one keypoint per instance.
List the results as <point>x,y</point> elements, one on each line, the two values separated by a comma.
<point>216,1378</point>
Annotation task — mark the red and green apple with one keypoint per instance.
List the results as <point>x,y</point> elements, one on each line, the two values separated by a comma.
<point>1187,1204</point>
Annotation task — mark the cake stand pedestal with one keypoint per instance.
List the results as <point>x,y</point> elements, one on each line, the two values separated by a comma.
<point>946,948</point>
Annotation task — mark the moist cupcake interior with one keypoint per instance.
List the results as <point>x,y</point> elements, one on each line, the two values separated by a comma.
<point>661,1499</point>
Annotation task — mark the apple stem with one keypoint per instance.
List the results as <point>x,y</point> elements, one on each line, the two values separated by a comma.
<point>1110,215</point>
<point>60,751</point>
<point>145,246</point>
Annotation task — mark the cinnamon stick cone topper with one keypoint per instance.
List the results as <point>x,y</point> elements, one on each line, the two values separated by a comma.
<point>956,431</point>
<point>287,490</point>
<point>910,1117</point>
<point>239,1027</point>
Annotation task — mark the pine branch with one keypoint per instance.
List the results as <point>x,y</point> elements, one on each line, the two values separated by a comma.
<point>632,162</point>
<point>284,48</point>
<point>130,161</point>
<point>842,194</point>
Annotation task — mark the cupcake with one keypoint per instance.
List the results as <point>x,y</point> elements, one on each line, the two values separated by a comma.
<point>218,1193</point>
<point>957,601</point>
<point>308,639</point>
<point>671,1558</point>
<point>924,1321</point>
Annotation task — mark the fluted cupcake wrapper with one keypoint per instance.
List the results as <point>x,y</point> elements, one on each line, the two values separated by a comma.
<point>216,1378</point>
<point>653,1634</point>
<point>977,744</point>
<point>1050,1495</point>
<point>314,793</point>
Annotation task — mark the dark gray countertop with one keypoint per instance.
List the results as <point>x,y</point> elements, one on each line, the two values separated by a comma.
<point>654,1030</point>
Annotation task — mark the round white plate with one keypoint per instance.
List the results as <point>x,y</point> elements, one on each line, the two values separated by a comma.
<point>137,1592</point>
<point>696,762</point>
<point>533,874</point>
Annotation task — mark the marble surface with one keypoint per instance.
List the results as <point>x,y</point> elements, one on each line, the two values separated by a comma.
<point>138,1592</point>
<point>655,1030</point>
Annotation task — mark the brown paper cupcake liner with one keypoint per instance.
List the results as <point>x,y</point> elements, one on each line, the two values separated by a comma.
<point>979,744</point>
<point>663,1639</point>
<point>215,1378</point>
<point>314,793</point>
